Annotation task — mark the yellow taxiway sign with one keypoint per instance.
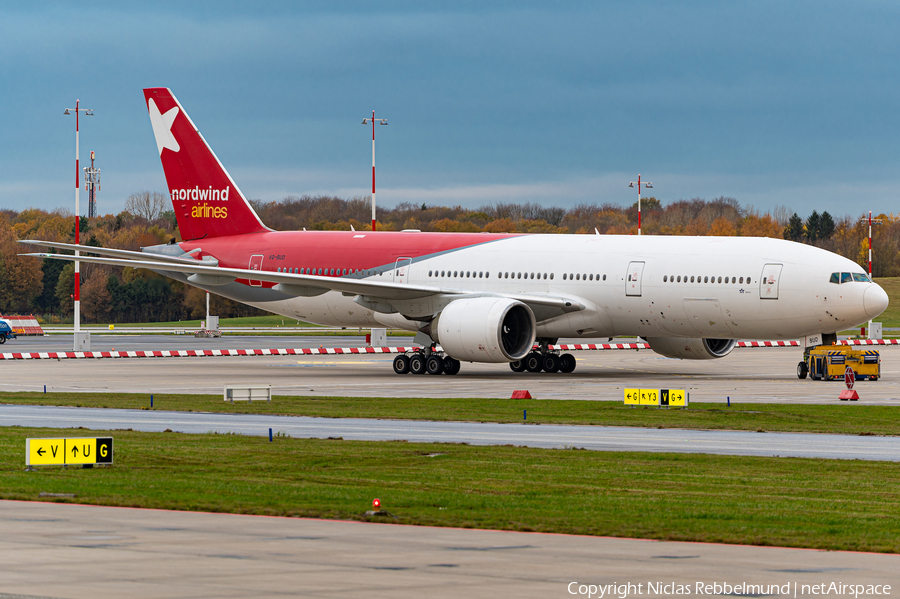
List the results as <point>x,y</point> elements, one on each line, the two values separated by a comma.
<point>61,452</point>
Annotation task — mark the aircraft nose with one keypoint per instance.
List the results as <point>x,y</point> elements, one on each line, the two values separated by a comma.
<point>875,301</point>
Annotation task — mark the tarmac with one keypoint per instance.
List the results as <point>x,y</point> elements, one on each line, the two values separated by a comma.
<point>746,375</point>
<point>72,552</point>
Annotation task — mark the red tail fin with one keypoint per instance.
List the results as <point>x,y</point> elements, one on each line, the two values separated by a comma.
<point>206,200</point>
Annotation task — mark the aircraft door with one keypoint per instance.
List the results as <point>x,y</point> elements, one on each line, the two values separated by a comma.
<point>256,264</point>
<point>768,282</point>
<point>401,270</point>
<point>633,279</point>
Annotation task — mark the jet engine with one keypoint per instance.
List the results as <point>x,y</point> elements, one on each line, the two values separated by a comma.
<point>691,348</point>
<point>485,329</point>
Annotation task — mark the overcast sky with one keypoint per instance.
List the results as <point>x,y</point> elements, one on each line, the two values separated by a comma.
<point>773,103</point>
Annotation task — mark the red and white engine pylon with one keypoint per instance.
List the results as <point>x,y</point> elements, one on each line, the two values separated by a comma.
<point>366,122</point>
<point>646,185</point>
<point>77,296</point>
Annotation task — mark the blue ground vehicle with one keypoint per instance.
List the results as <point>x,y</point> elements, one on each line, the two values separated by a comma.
<point>5,332</point>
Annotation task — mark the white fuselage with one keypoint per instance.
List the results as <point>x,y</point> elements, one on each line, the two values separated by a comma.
<point>627,286</point>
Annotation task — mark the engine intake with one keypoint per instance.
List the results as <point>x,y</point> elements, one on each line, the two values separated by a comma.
<point>691,348</point>
<point>485,329</point>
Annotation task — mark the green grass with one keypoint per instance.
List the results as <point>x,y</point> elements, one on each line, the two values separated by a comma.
<point>826,504</point>
<point>891,316</point>
<point>843,418</point>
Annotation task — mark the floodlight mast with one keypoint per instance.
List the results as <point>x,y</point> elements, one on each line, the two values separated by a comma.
<point>647,185</point>
<point>77,295</point>
<point>366,122</point>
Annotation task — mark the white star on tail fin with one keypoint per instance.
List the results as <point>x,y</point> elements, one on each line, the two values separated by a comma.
<point>162,127</point>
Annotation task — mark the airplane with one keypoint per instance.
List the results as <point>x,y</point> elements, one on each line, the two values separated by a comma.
<point>485,297</point>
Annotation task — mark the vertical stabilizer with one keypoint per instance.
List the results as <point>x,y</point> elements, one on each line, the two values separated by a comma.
<point>206,200</point>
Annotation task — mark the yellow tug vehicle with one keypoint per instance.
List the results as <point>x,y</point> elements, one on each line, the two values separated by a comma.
<point>829,362</point>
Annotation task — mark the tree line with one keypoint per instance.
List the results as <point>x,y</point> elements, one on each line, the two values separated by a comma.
<point>117,294</point>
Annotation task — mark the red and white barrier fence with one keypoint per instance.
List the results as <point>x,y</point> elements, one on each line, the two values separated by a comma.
<point>197,353</point>
<point>332,351</point>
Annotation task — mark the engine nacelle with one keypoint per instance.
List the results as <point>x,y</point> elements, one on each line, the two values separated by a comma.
<point>485,329</point>
<point>691,348</point>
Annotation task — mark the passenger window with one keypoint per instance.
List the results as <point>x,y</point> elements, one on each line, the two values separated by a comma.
<point>604,277</point>
<point>551,276</point>
<point>679,278</point>
<point>665,278</point>
<point>845,277</point>
<point>564,276</point>
<point>692,279</point>
<point>577,277</point>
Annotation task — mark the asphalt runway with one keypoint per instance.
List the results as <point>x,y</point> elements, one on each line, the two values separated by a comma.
<point>73,551</point>
<point>746,375</point>
<point>599,438</point>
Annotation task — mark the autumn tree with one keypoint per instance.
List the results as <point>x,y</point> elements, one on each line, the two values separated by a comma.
<point>21,279</point>
<point>147,204</point>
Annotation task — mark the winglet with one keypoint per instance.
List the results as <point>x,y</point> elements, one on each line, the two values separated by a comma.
<point>206,200</point>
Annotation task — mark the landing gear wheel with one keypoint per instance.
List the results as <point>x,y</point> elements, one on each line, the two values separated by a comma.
<point>2,339</point>
<point>551,363</point>
<point>533,362</point>
<point>802,370</point>
<point>451,365</point>
<point>434,365</point>
<point>417,364</point>
<point>517,366</point>
<point>567,363</point>
<point>401,364</point>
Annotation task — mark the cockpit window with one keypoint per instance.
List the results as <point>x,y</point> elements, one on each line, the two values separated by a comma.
<point>846,277</point>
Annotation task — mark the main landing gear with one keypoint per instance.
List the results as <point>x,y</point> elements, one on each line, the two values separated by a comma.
<point>420,363</point>
<point>544,360</point>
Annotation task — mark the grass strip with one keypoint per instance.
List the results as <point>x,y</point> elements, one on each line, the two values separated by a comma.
<point>825,504</point>
<point>840,418</point>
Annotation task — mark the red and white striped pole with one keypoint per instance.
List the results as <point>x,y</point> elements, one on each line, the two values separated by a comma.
<point>365,122</point>
<point>77,295</point>
<point>77,229</point>
<point>638,183</point>
<point>373,170</point>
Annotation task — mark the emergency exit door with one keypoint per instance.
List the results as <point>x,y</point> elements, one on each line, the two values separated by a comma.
<point>633,279</point>
<point>768,282</point>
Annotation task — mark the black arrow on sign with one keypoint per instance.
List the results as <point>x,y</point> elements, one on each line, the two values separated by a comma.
<point>75,452</point>
<point>40,452</point>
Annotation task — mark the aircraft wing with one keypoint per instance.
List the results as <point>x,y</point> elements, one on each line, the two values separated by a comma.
<point>310,285</point>
<point>113,253</point>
